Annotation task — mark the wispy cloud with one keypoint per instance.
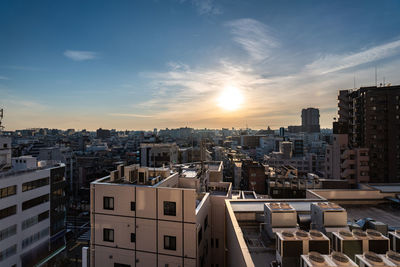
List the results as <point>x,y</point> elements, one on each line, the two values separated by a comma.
<point>130,115</point>
<point>4,78</point>
<point>80,55</point>
<point>332,63</point>
<point>206,7</point>
<point>254,37</point>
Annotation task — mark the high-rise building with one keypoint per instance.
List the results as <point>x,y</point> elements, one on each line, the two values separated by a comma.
<point>310,120</point>
<point>371,118</point>
<point>32,212</point>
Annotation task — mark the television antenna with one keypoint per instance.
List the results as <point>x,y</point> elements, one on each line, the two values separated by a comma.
<point>1,117</point>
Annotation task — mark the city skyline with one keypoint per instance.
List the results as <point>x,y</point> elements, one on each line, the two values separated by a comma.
<point>170,64</point>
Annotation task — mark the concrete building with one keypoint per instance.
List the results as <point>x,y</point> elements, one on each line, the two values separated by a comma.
<point>144,216</point>
<point>253,177</point>
<point>310,120</point>
<point>103,133</point>
<point>157,155</point>
<point>371,118</point>
<point>343,162</point>
<point>32,213</point>
<point>286,148</point>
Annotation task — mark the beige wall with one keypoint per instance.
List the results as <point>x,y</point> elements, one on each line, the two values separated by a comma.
<point>237,254</point>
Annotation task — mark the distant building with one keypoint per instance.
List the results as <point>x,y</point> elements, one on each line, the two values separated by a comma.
<point>253,176</point>
<point>371,118</point>
<point>286,148</point>
<point>103,133</point>
<point>345,163</point>
<point>157,155</point>
<point>310,120</point>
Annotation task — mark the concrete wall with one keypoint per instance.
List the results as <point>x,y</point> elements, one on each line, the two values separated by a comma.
<point>237,254</point>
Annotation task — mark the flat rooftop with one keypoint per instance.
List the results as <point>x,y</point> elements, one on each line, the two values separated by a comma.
<point>389,188</point>
<point>384,212</point>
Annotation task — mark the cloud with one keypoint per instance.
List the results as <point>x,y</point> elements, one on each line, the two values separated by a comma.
<point>80,55</point>
<point>333,63</point>
<point>4,78</point>
<point>130,115</point>
<point>206,7</point>
<point>254,37</point>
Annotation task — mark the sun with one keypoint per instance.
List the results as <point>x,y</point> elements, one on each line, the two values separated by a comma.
<point>230,99</point>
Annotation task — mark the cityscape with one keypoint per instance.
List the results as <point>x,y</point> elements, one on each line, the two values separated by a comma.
<point>200,133</point>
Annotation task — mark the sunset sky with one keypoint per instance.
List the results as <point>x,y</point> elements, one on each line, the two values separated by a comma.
<point>157,64</point>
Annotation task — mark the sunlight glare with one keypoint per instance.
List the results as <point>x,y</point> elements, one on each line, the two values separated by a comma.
<point>230,99</point>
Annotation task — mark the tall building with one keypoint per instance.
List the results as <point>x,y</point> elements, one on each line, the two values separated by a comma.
<point>32,212</point>
<point>371,118</point>
<point>310,120</point>
<point>145,216</point>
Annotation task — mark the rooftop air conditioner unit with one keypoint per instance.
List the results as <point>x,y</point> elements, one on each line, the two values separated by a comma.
<point>395,240</point>
<point>318,242</point>
<point>114,176</point>
<point>377,242</point>
<point>288,249</point>
<point>393,257</point>
<point>328,217</point>
<point>371,259</point>
<point>345,242</point>
<point>314,259</point>
<point>279,217</point>
<point>342,260</point>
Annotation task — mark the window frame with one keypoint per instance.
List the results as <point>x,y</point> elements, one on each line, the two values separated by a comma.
<point>169,208</point>
<point>106,203</point>
<point>106,235</point>
<point>171,240</point>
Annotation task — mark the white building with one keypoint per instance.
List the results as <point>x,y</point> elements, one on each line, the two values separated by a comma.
<point>144,216</point>
<point>32,213</point>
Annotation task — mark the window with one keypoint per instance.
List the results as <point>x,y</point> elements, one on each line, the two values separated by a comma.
<point>9,231</point>
<point>35,184</point>
<point>169,242</point>
<point>216,243</point>
<point>8,211</point>
<point>133,206</point>
<point>133,237</point>
<point>169,208</point>
<point>8,191</point>
<point>8,252</point>
<point>212,242</point>
<point>199,236</point>
<point>35,202</point>
<point>205,223</point>
<point>108,235</point>
<point>108,203</point>
<point>34,220</point>
<point>35,237</point>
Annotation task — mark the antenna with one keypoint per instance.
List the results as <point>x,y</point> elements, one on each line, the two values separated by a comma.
<point>1,117</point>
<point>376,76</point>
<point>383,81</point>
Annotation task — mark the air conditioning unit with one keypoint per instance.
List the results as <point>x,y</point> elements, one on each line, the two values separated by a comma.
<point>377,242</point>
<point>114,176</point>
<point>393,257</point>
<point>361,235</point>
<point>288,249</point>
<point>341,260</point>
<point>328,217</point>
<point>337,259</point>
<point>304,237</point>
<point>314,259</point>
<point>371,259</point>
<point>279,217</point>
<point>143,176</point>
<point>318,242</point>
<point>378,226</point>
<point>344,241</point>
<point>395,240</point>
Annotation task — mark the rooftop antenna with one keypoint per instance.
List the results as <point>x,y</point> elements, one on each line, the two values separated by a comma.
<point>376,76</point>
<point>384,81</point>
<point>1,117</point>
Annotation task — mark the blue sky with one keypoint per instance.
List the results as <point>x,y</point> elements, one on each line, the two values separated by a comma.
<point>146,64</point>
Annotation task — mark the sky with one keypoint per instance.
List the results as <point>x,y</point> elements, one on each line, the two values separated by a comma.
<point>168,63</point>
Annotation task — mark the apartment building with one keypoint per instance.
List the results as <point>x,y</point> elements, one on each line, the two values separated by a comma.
<point>32,212</point>
<point>310,120</point>
<point>143,216</point>
<point>343,162</point>
<point>371,118</point>
<point>157,155</point>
